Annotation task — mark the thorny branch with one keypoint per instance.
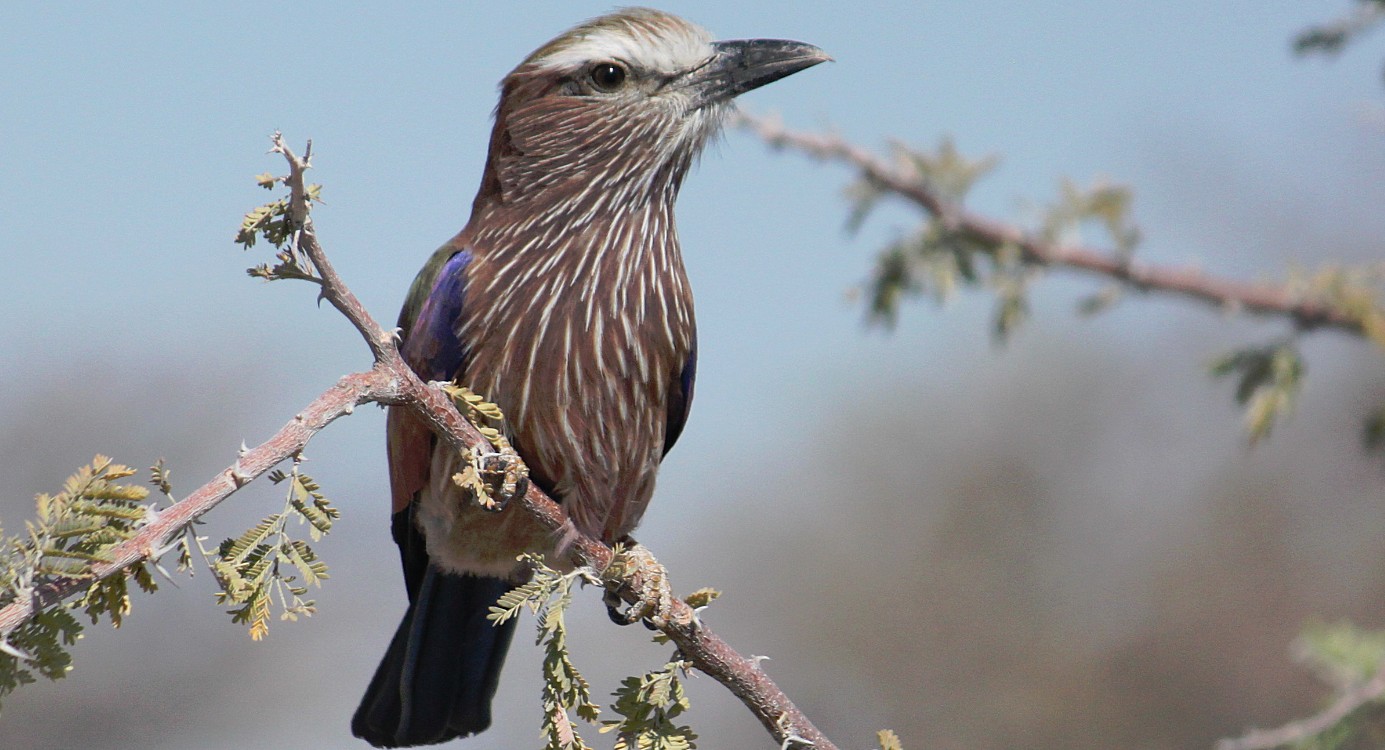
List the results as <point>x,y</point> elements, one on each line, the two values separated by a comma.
<point>1302,729</point>
<point>1275,300</point>
<point>1260,299</point>
<point>155,538</point>
<point>392,382</point>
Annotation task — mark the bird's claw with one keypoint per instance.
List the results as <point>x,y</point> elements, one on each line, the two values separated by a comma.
<point>504,471</point>
<point>493,478</point>
<point>634,569</point>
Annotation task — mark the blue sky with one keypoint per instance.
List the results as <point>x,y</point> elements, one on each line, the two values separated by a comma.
<point>130,135</point>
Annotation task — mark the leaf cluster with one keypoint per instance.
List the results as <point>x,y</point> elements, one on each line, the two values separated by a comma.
<point>888,740</point>
<point>1269,377</point>
<point>565,689</point>
<point>547,595</point>
<point>943,254</point>
<point>648,705</point>
<point>1268,380</point>
<point>1341,654</point>
<point>1353,291</point>
<point>1345,657</point>
<point>266,565</point>
<point>934,258</point>
<point>274,222</point>
<point>939,256</point>
<point>72,532</point>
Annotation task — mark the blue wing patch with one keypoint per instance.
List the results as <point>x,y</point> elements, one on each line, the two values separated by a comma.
<point>431,344</point>
<point>680,399</point>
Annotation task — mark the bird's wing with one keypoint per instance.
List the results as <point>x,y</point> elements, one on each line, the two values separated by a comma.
<point>428,322</point>
<point>428,325</point>
<point>680,398</point>
<point>438,678</point>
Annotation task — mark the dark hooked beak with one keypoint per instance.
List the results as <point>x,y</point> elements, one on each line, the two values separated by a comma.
<point>740,65</point>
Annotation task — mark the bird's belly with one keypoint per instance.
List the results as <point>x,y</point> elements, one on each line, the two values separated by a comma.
<point>594,448</point>
<point>463,537</point>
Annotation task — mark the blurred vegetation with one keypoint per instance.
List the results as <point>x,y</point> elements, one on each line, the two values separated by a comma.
<point>951,250</point>
<point>1332,37</point>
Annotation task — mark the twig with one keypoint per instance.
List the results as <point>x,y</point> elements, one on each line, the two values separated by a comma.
<point>1260,299</point>
<point>1329,38</point>
<point>392,382</point>
<point>1302,729</point>
<point>336,293</point>
<point>339,400</point>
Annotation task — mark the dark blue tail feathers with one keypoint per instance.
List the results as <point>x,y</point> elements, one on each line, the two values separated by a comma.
<point>443,665</point>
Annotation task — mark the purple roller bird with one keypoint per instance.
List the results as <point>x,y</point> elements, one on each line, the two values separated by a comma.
<point>564,301</point>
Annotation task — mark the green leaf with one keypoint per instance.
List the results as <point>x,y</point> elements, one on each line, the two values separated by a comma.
<point>1341,653</point>
<point>43,641</point>
<point>110,509</point>
<point>701,597</point>
<point>255,612</point>
<point>1373,430</point>
<point>1100,302</point>
<point>893,279</point>
<point>647,706</point>
<point>110,596</point>
<point>862,196</point>
<point>74,554</point>
<point>236,550</point>
<point>888,740</point>
<point>1012,309</point>
<point>530,594</point>
<point>305,560</point>
<point>945,169</point>
<point>305,497</point>
<point>1270,378</point>
<point>1105,204</point>
<point>75,527</point>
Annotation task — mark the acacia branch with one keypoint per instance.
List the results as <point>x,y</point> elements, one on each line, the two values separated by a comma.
<point>392,382</point>
<point>166,525</point>
<point>1303,729</point>
<point>334,290</point>
<point>1258,298</point>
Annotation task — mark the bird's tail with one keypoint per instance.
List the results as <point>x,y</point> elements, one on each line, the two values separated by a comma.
<point>441,670</point>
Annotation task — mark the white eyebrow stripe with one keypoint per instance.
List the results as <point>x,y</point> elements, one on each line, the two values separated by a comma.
<point>672,51</point>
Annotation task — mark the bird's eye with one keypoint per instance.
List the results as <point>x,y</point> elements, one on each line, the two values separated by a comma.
<point>608,76</point>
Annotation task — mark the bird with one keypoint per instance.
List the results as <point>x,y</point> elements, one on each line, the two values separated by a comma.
<point>565,302</point>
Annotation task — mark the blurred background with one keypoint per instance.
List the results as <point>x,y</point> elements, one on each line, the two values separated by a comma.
<point>1061,543</point>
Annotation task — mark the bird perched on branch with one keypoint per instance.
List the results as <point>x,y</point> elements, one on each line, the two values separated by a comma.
<point>563,301</point>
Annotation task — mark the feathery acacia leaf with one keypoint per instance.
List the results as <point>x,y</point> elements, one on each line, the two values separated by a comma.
<point>1269,379</point>
<point>888,740</point>
<point>565,690</point>
<point>256,569</point>
<point>73,531</point>
<point>647,706</point>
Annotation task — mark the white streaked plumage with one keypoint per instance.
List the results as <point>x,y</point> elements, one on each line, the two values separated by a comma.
<point>586,319</point>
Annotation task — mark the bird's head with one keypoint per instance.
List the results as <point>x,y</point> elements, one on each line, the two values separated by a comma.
<point>623,102</point>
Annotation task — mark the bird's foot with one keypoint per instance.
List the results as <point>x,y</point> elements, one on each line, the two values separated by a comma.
<point>634,569</point>
<point>493,477</point>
